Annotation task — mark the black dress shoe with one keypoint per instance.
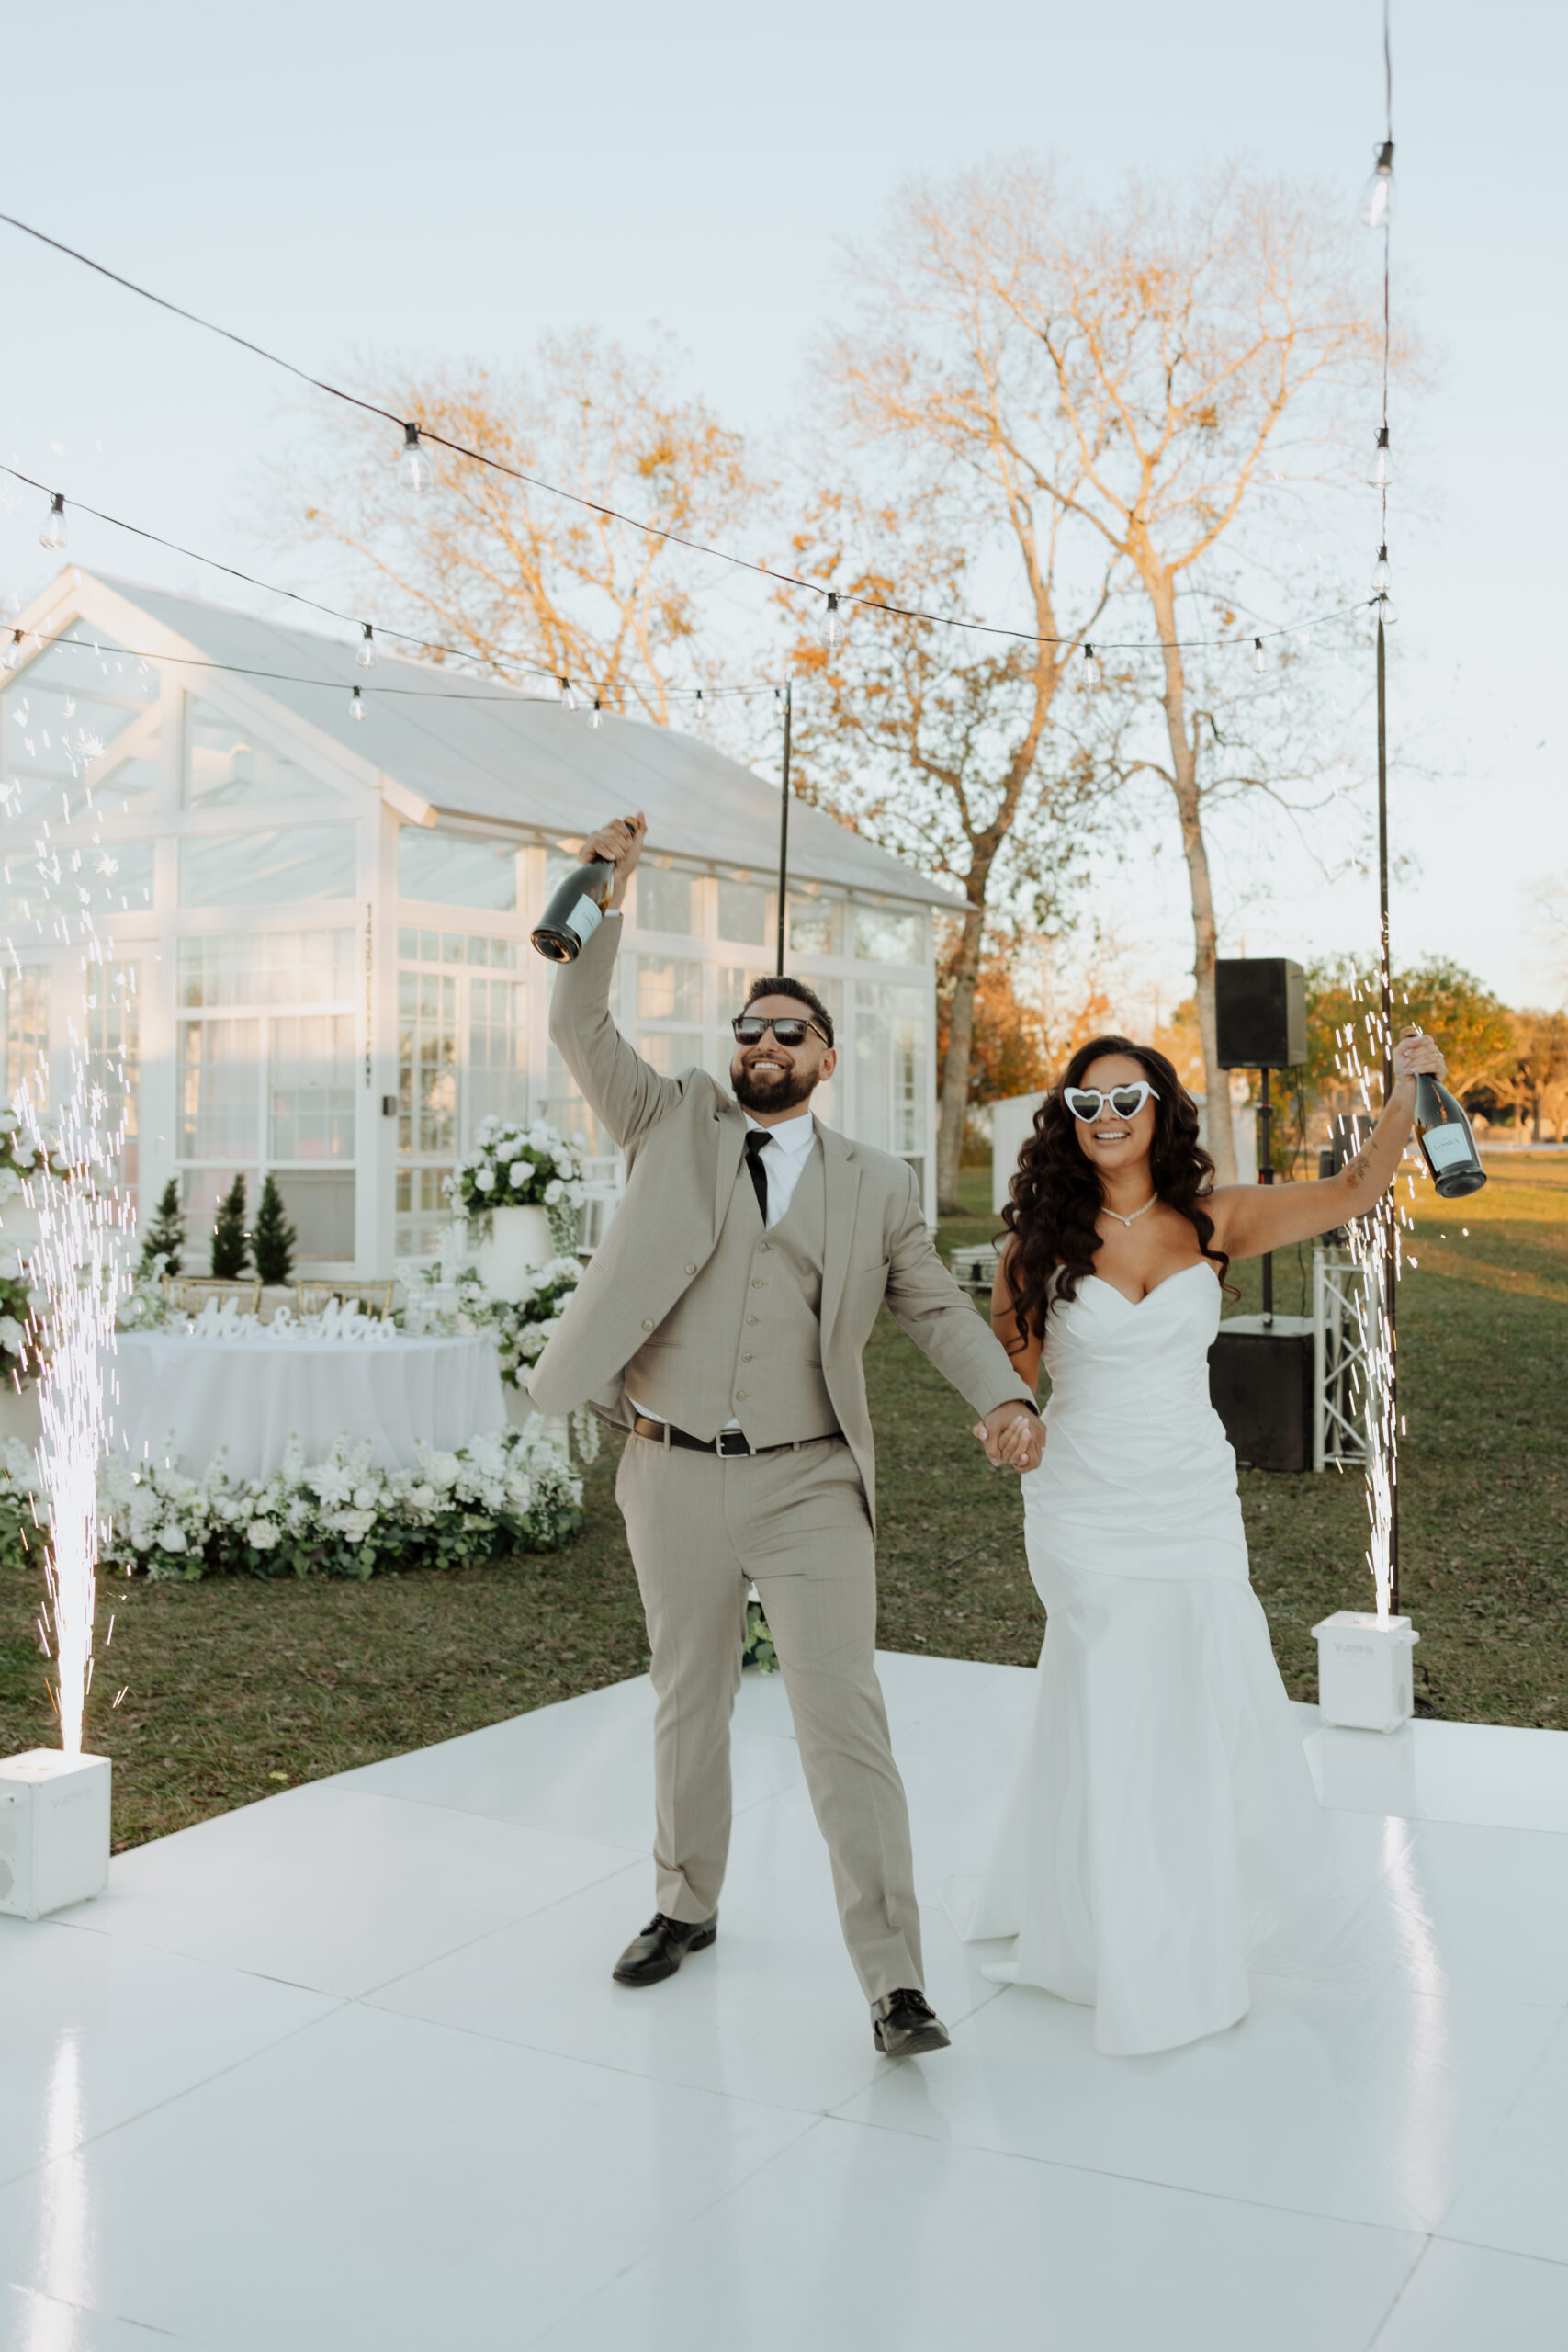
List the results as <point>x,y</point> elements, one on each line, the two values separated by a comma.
<point>903,2024</point>
<point>661,1946</point>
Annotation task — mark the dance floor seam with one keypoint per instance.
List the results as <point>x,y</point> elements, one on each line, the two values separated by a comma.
<point>347,2069</point>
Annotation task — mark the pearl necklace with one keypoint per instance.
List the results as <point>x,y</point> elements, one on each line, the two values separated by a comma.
<point>1136,1213</point>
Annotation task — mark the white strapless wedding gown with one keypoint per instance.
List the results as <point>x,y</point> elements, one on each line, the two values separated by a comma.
<point>1163,1824</point>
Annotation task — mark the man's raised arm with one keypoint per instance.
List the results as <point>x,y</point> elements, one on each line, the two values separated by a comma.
<point>616,1082</point>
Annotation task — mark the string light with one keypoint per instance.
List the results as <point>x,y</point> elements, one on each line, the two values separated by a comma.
<point>595,717</point>
<point>569,700</point>
<point>1377,197</point>
<point>414,470</point>
<point>13,651</point>
<point>417,469</point>
<point>365,656</point>
<point>1379,472</point>
<point>52,534</point>
<point>1090,660</point>
<point>1259,659</point>
<point>356,703</point>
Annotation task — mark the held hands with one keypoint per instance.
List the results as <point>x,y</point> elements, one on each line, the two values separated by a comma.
<point>1013,1437</point>
<point>621,842</point>
<point>1417,1056</point>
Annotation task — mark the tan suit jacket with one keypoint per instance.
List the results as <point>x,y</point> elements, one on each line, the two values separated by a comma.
<point>683,1138</point>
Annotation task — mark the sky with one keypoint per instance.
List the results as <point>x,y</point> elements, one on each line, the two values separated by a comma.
<point>342,184</point>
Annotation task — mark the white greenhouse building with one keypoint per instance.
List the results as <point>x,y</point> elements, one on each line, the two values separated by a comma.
<point>319,916</point>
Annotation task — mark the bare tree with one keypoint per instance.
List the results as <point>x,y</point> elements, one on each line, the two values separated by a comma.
<point>510,575</point>
<point>1160,371</point>
<point>945,748</point>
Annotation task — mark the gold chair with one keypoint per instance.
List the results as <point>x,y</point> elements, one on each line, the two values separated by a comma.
<point>188,1294</point>
<point>374,1298</point>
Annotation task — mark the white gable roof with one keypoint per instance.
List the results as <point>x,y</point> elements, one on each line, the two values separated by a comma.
<point>447,745</point>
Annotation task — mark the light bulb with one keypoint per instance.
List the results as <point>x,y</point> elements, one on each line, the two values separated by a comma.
<point>415,470</point>
<point>365,656</point>
<point>13,651</point>
<point>596,716</point>
<point>52,534</point>
<point>1380,574</point>
<point>834,630</point>
<point>1379,472</point>
<point>1259,659</point>
<point>356,703</point>
<point>569,700</point>
<point>1377,197</point>
<point>1091,661</point>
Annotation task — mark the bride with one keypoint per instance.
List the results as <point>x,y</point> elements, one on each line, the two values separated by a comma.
<point>1163,1822</point>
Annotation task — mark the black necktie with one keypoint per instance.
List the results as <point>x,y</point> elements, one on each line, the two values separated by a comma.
<point>757,1141</point>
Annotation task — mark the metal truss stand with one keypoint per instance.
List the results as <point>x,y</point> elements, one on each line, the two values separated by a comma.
<point>1342,1383</point>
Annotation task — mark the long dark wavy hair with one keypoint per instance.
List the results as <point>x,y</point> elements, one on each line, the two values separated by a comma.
<point>1056,1196</point>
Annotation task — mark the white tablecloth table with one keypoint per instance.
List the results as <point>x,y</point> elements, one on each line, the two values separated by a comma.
<point>251,1397</point>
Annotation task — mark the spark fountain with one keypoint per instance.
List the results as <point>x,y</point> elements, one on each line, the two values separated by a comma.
<point>55,1803</point>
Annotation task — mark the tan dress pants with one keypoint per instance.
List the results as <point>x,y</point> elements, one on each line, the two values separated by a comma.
<point>794,1522</point>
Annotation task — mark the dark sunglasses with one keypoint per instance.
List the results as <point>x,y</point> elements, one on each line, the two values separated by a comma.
<point>751,1031</point>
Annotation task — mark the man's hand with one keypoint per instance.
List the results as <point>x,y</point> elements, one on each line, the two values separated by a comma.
<point>621,842</point>
<point>1013,1437</point>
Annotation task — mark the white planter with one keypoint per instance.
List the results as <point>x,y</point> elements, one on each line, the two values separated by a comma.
<point>1364,1670</point>
<point>519,1240</point>
<point>19,1226</point>
<point>54,1830</point>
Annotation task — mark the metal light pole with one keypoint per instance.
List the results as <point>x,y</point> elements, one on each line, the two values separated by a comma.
<point>1385,975</point>
<point>784,836</point>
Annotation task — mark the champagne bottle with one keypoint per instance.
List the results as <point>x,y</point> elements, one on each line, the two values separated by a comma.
<point>1448,1146</point>
<point>575,910</point>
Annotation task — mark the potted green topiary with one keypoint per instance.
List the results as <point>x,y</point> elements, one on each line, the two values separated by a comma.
<point>272,1242</point>
<point>231,1242</point>
<point>167,1233</point>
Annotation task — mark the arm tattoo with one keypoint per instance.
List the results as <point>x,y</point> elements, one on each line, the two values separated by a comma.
<point>1358,1170</point>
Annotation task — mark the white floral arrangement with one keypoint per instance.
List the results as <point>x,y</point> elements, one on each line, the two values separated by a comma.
<point>512,1490</point>
<point>516,1167</point>
<point>522,1327</point>
<point>144,1307</point>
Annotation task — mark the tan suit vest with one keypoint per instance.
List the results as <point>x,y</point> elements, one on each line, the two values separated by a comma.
<point>744,1341</point>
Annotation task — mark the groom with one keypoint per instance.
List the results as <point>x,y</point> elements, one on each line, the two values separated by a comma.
<point>722,1321</point>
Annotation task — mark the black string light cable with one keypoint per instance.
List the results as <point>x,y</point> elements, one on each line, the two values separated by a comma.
<point>52,535</point>
<point>415,464</point>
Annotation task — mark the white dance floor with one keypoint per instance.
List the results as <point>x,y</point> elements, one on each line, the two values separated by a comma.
<point>345,2071</point>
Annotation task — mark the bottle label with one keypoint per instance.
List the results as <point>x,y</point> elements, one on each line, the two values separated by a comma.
<point>1447,1144</point>
<point>586,918</point>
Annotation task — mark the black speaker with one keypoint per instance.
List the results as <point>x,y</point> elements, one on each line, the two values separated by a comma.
<point>1260,1013</point>
<point>1260,1384</point>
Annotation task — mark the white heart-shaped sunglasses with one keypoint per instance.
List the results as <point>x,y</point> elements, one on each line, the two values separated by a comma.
<point>1087,1102</point>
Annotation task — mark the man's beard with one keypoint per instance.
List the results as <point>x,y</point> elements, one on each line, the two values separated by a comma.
<point>780,1094</point>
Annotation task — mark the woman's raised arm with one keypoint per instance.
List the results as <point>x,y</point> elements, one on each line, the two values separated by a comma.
<point>1251,1218</point>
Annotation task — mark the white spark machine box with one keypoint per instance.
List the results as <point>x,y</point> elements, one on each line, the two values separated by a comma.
<point>1364,1670</point>
<point>54,1830</point>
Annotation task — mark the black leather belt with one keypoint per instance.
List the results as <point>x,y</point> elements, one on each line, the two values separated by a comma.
<point>728,1441</point>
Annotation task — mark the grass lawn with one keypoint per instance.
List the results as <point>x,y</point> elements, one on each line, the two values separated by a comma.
<point>235,1688</point>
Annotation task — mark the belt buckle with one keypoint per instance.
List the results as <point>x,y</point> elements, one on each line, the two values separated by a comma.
<point>722,1450</point>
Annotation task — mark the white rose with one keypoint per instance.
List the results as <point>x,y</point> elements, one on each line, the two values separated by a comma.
<point>262,1535</point>
<point>424,1497</point>
<point>356,1524</point>
<point>12,1336</point>
<point>553,1191</point>
<point>171,1538</point>
<point>484,1178</point>
<point>519,1173</point>
<point>10,1184</point>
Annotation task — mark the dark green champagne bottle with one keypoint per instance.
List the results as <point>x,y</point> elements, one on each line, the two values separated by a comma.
<point>575,912</point>
<point>1448,1146</point>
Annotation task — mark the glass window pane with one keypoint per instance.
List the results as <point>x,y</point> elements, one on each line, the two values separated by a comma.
<point>225,766</point>
<point>884,937</point>
<point>62,716</point>
<point>320,1206</point>
<point>311,1081</point>
<point>733,982</point>
<point>669,989</point>
<point>816,926</point>
<point>422,1210</point>
<point>219,1084</point>
<point>268,968</point>
<point>747,913</point>
<point>455,870</point>
<point>663,900</point>
<point>248,870</point>
<point>670,1050</point>
<point>26,1031</point>
<point>203,1188</point>
<point>890,1069</point>
<point>497,1050</point>
<point>116,877</point>
<point>114,1060</point>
